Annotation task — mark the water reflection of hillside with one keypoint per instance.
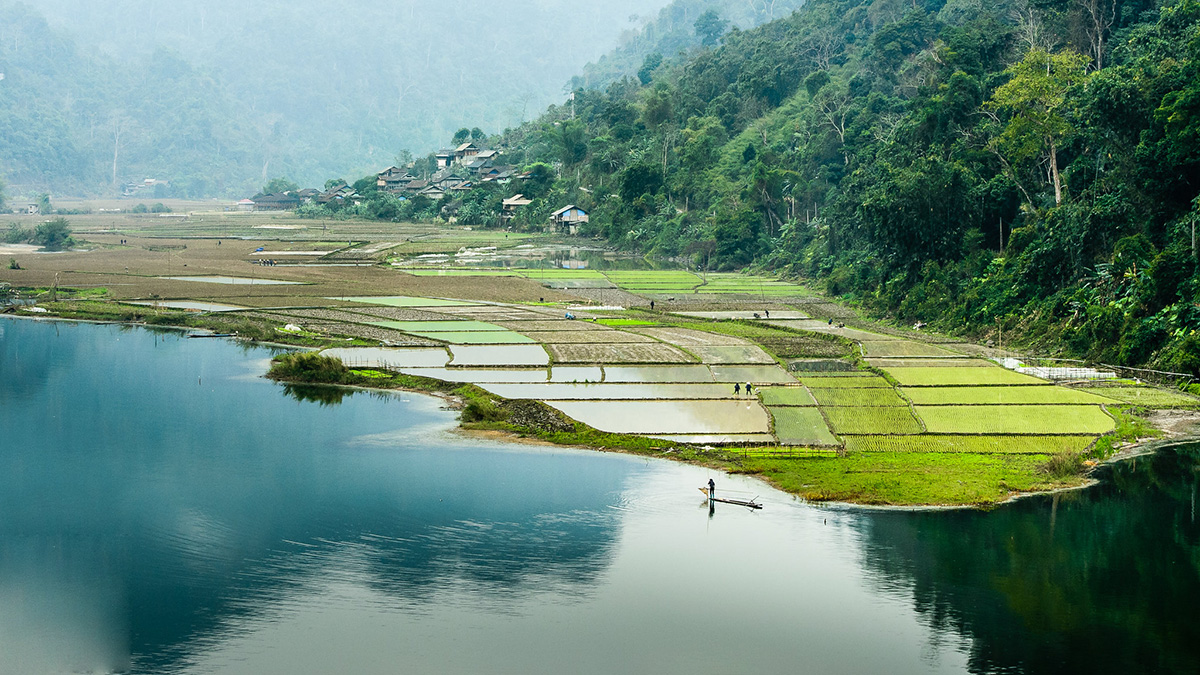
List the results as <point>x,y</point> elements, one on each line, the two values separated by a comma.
<point>174,498</point>
<point>1100,581</point>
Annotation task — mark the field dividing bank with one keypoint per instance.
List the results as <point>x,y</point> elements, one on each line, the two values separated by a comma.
<point>1016,419</point>
<point>991,445</point>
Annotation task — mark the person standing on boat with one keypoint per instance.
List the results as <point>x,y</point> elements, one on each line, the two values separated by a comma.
<point>712,489</point>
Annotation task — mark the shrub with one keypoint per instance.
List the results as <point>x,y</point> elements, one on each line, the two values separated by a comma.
<point>308,367</point>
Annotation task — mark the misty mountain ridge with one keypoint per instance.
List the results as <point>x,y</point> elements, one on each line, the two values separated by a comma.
<point>219,96</point>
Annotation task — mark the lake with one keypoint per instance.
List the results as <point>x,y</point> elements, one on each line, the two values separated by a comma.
<point>164,509</point>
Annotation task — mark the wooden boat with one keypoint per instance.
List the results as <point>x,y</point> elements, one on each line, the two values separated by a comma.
<point>751,504</point>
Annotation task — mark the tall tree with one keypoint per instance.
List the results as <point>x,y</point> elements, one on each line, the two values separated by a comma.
<point>1035,101</point>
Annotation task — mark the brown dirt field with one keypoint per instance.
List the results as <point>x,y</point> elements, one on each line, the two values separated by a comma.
<point>131,271</point>
<point>588,337</point>
<point>592,353</point>
<point>690,338</point>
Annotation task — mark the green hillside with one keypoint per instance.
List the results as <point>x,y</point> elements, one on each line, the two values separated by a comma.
<point>1033,167</point>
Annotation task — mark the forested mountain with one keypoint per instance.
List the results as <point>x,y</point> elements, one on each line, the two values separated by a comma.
<point>673,32</point>
<point>1031,166</point>
<point>218,95</point>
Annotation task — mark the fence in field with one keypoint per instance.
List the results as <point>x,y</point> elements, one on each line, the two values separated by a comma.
<point>1075,369</point>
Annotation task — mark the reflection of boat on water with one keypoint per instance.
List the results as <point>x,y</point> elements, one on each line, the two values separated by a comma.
<point>750,504</point>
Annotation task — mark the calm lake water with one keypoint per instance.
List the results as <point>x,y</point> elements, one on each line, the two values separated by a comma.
<point>163,509</point>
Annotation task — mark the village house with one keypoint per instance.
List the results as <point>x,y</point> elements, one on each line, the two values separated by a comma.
<point>509,206</point>
<point>245,205</point>
<point>337,194</point>
<point>445,157</point>
<point>279,201</point>
<point>498,174</point>
<point>392,179</point>
<point>466,152</point>
<point>567,220</point>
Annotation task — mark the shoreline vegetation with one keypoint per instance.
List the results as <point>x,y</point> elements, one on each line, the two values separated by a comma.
<point>900,478</point>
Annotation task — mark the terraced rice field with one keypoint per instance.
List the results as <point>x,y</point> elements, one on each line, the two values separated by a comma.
<point>942,377</point>
<point>710,439</point>
<point>753,374</point>
<point>801,426</point>
<point>732,354</point>
<point>588,337</point>
<point>1148,397</point>
<point>599,392</point>
<point>481,375</point>
<point>843,381</point>
<point>482,337</point>
<point>437,326</point>
<point>1016,419</point>
<point>872,420</point>
<point>869,397</point>
<point>499,355</point>
<point>404,301</point>
<point>1036,445</point>
<point>694,373</point>
<point>618,353</point>
<point>371,357</point>
<point>786,396</point>
<point>1048,395</point>
<point>669,417</point>
<point>895,348</point>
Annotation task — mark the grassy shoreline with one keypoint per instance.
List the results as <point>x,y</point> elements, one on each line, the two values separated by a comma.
<point>900,479</point>
<point>903,479</point>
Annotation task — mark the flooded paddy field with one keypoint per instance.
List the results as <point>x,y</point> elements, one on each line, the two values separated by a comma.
<point>663,417</point>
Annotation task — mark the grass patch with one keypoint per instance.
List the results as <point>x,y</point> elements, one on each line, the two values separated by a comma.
<point>872,421</point>
<point>842,396</point>
<point>1128,428</point>
<point>987,445</point>
<point>1016,419</point>
<point>917,478</point>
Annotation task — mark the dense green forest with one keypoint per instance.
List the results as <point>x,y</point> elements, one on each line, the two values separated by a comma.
<point>1031,167</point>
<point>218,96</point>
<point>674,31</point>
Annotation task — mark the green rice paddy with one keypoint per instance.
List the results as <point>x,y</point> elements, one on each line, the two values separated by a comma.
<point>1047,445</point>
<point>1049,395</point>
<point>941,377</point>
<point>869,397</point>
<point>872,421</point>
<point>786,396</point>
<point>1016,419</point>
<point>1148,397</point>
<point>801,426</point>
<point>859,381</point>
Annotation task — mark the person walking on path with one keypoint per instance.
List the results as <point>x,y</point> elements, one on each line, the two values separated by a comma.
<point>737,389</point>
<point>712,489</point>
<point>747,388</point>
